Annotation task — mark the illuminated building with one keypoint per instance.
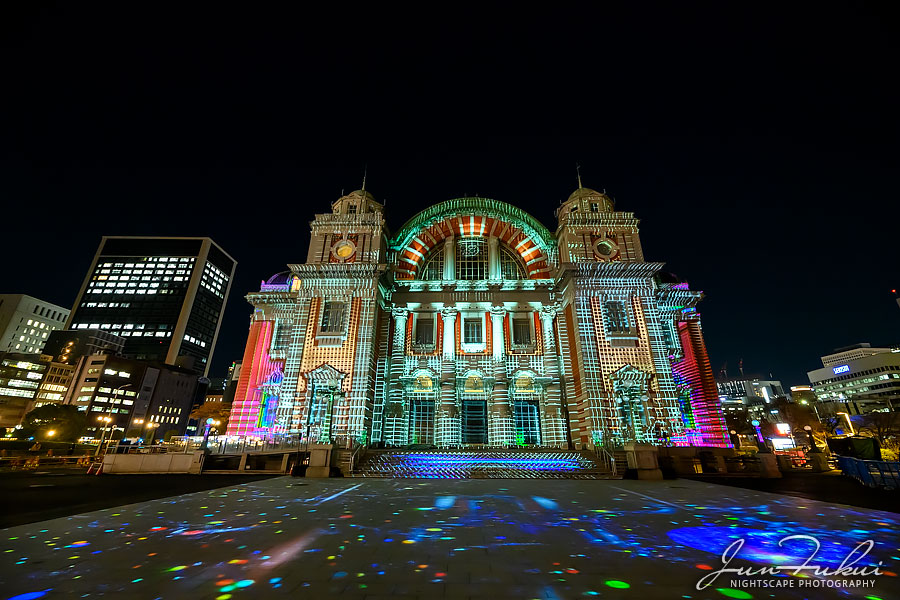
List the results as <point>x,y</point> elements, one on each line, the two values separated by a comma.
<point>750,394</point>
<point>857,380</point>
<point>62,350</point>
<point>68,345</point>
<point>165,296</point>
<point>25,322</point>
<point>142,398</point>
<point>20,377</point>
<point>474,325</point>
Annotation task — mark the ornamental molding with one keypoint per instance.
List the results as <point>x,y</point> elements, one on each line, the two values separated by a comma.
<point>476,206</point>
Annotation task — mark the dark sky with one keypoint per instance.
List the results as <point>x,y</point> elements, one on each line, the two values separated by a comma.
<point>758,145</point>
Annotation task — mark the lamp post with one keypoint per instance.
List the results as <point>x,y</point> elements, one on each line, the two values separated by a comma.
<point>106,421</point>
<point>812,441</point>
<point>151,426</point>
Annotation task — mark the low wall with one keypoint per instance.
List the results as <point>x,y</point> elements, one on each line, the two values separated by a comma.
<point>693,460</point>
<point>153,463</point>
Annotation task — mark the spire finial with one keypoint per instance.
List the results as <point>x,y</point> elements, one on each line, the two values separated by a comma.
<point>578,173</point>
<point>365,172</point>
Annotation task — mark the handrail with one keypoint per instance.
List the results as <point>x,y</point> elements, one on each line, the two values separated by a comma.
<point>608,456</point>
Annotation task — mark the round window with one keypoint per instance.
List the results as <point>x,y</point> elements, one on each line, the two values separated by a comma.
<point>344,249</point>
<point>605,249</point>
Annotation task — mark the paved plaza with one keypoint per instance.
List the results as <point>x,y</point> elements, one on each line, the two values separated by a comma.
<point>389,538</point>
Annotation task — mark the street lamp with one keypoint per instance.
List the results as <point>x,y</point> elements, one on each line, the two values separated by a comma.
<point>849,423</point>
<point>151,426</point>
<point>106,421</point>
<point>210,422</point>
<point>812,441</point>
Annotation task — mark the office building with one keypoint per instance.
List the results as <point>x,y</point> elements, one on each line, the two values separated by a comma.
<point>474,325</point>
<point>20,378</point>
<point>26,322</point>
<point>141,398</point>
<point>68,345</point>
<point>164,296</point>
<point>858,379</point>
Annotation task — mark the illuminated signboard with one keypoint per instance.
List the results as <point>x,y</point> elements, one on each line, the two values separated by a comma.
<point>841,369</point>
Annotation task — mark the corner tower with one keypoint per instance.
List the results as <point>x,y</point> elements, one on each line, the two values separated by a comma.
<point>309,361</point>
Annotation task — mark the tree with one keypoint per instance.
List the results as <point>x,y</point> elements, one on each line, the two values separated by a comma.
<point>883,426</point>
<point>65,420</point>
<point>212,410</point>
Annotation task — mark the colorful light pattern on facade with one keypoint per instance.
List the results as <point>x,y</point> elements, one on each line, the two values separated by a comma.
<point>476,326</point>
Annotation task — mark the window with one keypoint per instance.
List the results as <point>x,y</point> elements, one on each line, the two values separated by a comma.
<point>521,329</point>
<point>471,259</point>
<point>474,384</point>
<point>425,331</point>
<point>333,317</point>
<point>510,264</point>
<point>472,331</point>
<point>617,317</point>
<point>433,266</point>
<point>595,207</point>
<point>423,383</point>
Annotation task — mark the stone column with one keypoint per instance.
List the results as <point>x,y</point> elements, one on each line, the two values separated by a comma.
<point>497,315</point>
<point>553,423</point>
<point>501,431</point>
<point>449,258</point>
<point>395,429</point>
<point>449,316</point>
<point>447,429</point>
<point>493,258</point>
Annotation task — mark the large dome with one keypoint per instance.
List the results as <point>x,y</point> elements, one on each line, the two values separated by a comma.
<point>279,278</point>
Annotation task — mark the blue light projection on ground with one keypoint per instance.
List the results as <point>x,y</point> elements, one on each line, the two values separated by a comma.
<point>471,538</point>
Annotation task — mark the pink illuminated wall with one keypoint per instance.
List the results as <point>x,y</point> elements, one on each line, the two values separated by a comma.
<point>256,368</point>
<point>696,371</point>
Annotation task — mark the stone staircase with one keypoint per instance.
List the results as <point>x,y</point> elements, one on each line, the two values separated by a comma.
<point>483,464</point>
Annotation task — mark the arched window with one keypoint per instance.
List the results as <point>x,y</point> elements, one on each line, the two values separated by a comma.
<point>511,266</point>
<point>433,265</point>
<point>471,258</point>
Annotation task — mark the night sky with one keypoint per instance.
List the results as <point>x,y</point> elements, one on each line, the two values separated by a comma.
<point>758,146</point>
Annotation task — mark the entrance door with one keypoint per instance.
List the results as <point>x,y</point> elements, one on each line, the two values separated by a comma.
<point>421,426</point>
<point>474,421</point>
<point>528,424</point>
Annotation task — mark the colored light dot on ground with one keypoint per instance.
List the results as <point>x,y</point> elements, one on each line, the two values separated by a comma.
<point>244,583</point>
<point>178,568</point>
<point>619,585</point>
<point>704,567</point>
<point>409,541</point>
<point>872,598</point>
<point>30,595</point>
<point>732,593</point>
<point>223,597</point>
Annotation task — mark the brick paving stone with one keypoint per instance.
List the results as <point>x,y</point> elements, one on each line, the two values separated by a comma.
<point>556,539</point>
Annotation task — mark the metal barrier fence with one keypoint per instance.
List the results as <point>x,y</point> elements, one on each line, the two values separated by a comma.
<point>871,473</point>
<point>235,445</point>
